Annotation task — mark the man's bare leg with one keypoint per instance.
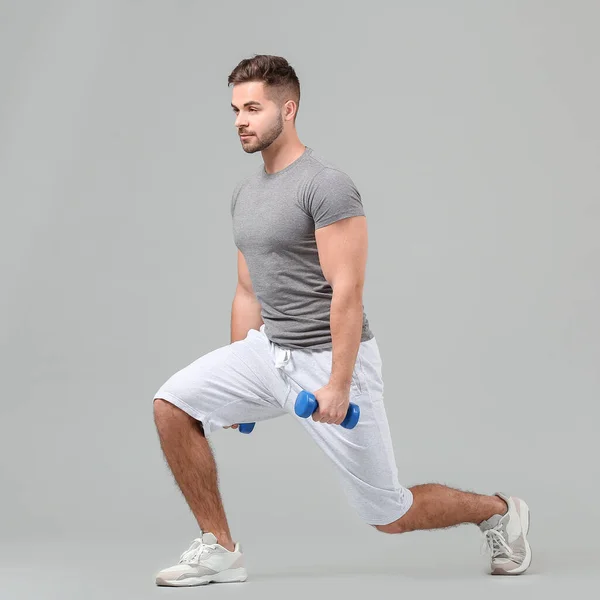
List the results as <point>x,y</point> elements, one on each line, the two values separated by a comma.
<point>436,506</point>
<point>192,463</point>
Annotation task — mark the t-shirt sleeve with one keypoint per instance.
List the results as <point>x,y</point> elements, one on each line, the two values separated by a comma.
<point>332,196</point>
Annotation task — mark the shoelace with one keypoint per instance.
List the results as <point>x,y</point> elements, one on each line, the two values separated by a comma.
<point>195,551</point>
<point>493,540</point>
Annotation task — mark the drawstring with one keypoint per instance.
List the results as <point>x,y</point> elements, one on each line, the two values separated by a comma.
<point>282,356</point>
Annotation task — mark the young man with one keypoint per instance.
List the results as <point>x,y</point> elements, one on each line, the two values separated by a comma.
<point>297,323</point>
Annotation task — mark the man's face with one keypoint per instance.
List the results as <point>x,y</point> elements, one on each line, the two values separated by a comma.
<point>256,115</point>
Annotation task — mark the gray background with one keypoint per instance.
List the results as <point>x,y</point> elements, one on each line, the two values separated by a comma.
<point>471,130</point>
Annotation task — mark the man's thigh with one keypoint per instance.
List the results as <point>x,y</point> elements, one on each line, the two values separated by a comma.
<point>363,456</point>
<point>237,383</point>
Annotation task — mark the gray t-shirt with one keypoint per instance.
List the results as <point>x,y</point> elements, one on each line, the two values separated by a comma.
<point>274,220</point>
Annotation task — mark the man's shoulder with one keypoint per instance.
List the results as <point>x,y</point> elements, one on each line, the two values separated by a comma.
<point>244,179</point>
<point>325,171</point>
<point>320,163</point>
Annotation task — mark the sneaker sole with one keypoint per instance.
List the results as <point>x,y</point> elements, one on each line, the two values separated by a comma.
<point>226,576</point>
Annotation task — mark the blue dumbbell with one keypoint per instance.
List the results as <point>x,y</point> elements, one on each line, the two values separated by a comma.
<point>306,404</point>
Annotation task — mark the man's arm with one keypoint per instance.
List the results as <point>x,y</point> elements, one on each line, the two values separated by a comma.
<point>245,309</point>
<point>342,250</point>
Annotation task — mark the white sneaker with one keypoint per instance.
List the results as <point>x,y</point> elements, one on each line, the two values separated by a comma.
<point>205,561</point>
<point>506,538</point>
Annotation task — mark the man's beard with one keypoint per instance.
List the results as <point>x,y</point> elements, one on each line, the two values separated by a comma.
<point>253,144</point>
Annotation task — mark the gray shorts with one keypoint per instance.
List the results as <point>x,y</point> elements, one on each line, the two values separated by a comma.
<point>254,379</point>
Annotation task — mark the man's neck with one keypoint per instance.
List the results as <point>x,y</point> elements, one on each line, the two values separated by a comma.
<point>277,159</point>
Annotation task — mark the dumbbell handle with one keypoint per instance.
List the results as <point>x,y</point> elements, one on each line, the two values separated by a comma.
<point>306,404</point>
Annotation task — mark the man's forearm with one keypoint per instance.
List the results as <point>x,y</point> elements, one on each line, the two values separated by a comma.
<point>245,315</point>
<point>346,332</point>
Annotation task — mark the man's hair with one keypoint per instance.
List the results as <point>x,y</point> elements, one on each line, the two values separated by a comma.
<point>280,79</point>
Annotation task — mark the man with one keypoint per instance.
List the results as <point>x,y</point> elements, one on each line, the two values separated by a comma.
<point>297,323</point>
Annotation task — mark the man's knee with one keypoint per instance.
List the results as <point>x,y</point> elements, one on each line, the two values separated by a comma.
<point>166,412</point>
<point>163,409</point>
<point>388,528</point>
<point>397,526</point>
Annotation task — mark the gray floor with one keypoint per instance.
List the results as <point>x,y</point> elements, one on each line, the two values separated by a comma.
<point>431,564</point>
